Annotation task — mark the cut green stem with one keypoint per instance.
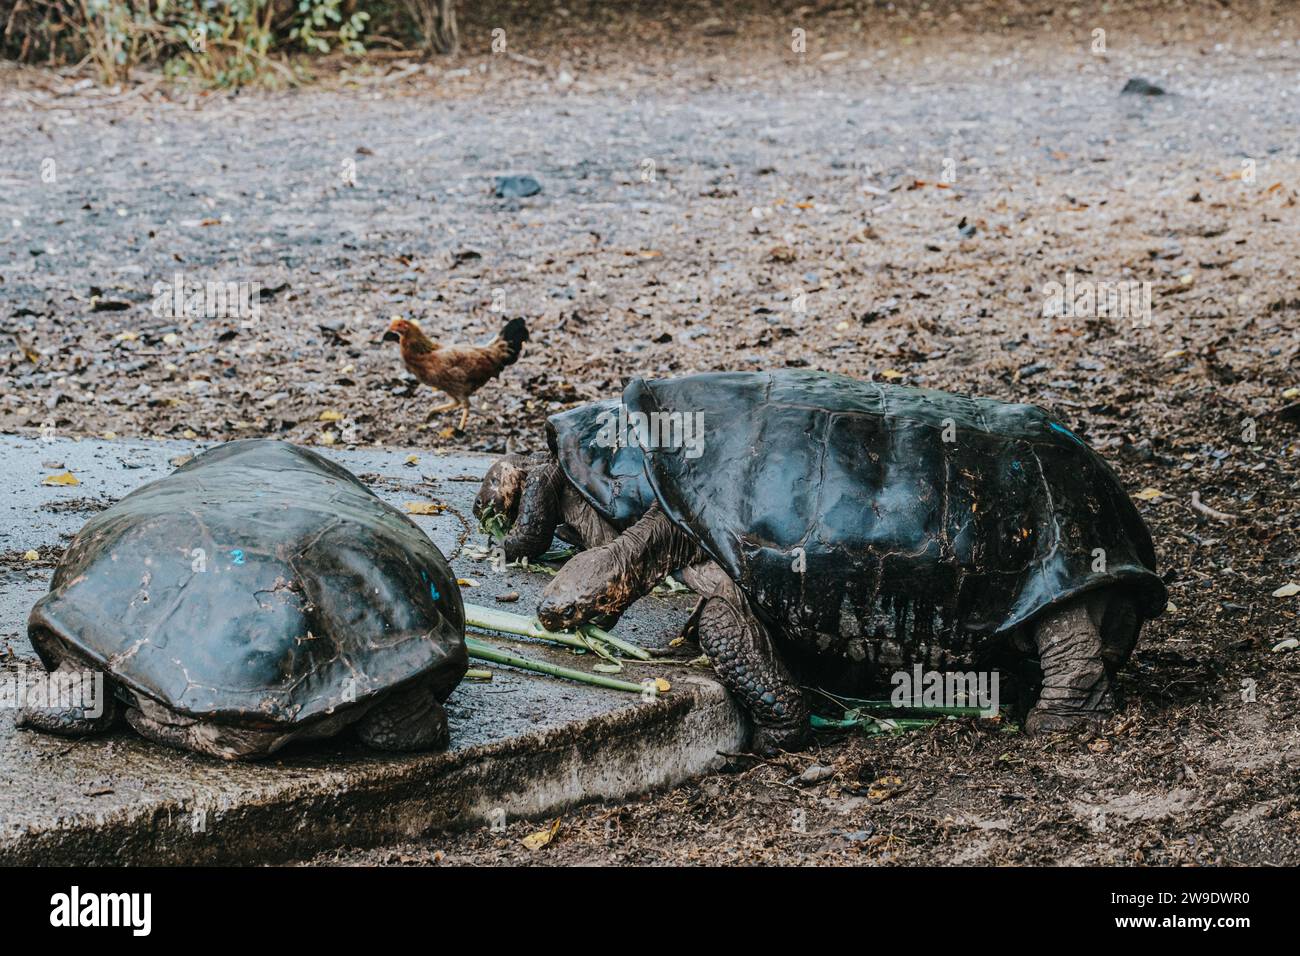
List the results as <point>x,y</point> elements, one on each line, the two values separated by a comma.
<point>889,707</point>
<point>493,619</point>
<point>483,651</point>
<point>875,725</point>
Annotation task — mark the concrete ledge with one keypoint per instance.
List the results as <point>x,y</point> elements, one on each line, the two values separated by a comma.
<point>372,801</point>
<point>522,744</point>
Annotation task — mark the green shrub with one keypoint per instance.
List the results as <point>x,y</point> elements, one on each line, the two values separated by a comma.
<point>217,42</point>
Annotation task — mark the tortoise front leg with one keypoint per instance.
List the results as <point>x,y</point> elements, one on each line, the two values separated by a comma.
<point>77,719</point>
<point>747,663</point>
<point>410,719</point>
<point>1076,691</point>
<point>607,580</point>
<point>539,513</point>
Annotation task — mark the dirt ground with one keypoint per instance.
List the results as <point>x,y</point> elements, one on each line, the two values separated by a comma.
<point>891,203</point>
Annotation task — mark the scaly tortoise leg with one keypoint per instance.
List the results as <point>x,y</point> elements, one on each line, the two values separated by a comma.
<point>411,719</point>
<point>1077,692</point>
<point>606,581</point>
<point>747,663</point>
<point>77,719</point>
<point>539,513</point>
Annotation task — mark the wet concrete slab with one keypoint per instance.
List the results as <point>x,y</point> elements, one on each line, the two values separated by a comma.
<point>522,744</point>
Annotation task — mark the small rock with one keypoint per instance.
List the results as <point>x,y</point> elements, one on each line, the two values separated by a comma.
<point>1140,87</point>
<point>816,774</point>
<point>856,836</point>
<point>516,187</point>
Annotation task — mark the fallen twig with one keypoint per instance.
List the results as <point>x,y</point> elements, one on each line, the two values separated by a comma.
<point>1198,505</point>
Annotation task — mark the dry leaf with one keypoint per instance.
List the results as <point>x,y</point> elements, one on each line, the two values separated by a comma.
<point>1149,494</point>
<point>885,787</point>
<point>330,415</point>
<point>412,460</point>
<point>535,841</point>
<point>467,582</point>
<point>67,478</point>
<point>662,686</point>
<point>891,373</point>
<point>32,556</point>
<point>424,508</point>
<point>1290,589</point>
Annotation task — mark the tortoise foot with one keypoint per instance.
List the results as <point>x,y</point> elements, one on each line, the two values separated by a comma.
<point>770,740</point>
<point>1042,720</point>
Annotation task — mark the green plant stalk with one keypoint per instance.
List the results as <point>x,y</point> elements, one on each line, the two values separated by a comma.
<point>887,706</point>
<point>900,723</point>
<point>631,650</point>
<point>482,651</point>
<point>492,619</point>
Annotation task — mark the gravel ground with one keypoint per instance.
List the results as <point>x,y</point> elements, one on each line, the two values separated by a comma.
<point>892,203</point>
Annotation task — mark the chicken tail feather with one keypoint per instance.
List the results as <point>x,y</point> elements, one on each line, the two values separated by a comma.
<point>514,334</point>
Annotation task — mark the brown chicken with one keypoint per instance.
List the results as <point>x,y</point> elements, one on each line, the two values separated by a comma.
<point>458,370</point>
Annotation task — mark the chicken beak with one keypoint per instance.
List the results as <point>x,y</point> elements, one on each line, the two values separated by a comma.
<point>390,334</point>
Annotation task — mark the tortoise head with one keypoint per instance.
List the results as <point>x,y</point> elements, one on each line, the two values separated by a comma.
<point>592,585</point>
<point>497,503</point>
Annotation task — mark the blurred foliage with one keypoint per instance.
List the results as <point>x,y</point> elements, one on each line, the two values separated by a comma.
<point>216,42</point>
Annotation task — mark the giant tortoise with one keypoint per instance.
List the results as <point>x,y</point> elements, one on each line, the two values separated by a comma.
<point>833,526</point>
<point>257,595</point>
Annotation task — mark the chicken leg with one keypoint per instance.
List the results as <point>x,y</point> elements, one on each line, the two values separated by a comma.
<point>444,407</point>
